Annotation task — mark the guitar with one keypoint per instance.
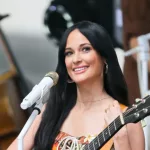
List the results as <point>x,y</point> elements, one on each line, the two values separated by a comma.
<point>133,114</point>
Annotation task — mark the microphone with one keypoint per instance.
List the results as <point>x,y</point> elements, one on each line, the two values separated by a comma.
<point>41,90</point>
<point>3,16</point>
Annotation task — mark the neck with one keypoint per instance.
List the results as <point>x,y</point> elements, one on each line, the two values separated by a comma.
<point>90,94</point>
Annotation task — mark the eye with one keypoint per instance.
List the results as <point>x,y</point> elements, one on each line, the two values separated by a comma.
<point>68,53</point>
<point>86,49</point>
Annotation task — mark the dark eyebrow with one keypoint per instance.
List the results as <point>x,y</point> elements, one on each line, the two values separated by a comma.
<point>84,44</point>
<point>69,48</point>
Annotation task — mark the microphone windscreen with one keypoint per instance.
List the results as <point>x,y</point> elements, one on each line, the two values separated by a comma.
<point>54,76</point>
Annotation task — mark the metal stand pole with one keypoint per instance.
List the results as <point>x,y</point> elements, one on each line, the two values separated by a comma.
<point>36,111</point>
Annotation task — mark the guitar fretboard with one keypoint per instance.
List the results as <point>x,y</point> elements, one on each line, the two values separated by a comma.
<point>104,136</point>
<point>133,114</point>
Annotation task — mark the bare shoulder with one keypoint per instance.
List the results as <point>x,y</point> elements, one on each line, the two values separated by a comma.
<point>135,130</point>
<point>136,135</point>
<point>132,127</point>
<point>135,127</point>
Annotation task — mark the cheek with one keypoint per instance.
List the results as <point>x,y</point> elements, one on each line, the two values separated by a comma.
<point>97,62</point>
<point>94,60</point>
<point>68,63</point>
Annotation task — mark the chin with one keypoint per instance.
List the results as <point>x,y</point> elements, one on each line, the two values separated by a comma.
<point>81,81</point>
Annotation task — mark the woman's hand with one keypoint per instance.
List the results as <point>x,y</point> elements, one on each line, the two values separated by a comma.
<point>111,113</point>
<point>130,136</point>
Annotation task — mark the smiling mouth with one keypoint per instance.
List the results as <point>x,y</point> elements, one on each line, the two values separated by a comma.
<point>81,69</point>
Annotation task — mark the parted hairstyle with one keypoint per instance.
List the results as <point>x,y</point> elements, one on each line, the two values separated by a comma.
<point>63,96</point>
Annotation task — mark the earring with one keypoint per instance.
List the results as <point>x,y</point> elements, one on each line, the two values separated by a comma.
<point>106,68</point>
<point>69,80</point>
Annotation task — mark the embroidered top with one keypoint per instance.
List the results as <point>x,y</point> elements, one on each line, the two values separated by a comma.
<point>64,141</point>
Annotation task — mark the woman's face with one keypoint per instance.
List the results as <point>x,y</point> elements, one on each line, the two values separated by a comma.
<point>82,61</point>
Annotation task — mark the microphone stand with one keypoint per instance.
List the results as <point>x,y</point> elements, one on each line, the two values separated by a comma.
<point>39,96</point>
<point>142,63</point>
<point>36,111</point>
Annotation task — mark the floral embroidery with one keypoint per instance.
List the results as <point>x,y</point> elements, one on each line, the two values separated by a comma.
<point>89,138</point>
<point>67,142</point>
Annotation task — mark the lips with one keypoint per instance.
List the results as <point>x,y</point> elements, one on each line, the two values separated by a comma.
<point>80,69</point>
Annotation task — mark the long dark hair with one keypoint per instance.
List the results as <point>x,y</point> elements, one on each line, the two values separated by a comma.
<point>63,95</point>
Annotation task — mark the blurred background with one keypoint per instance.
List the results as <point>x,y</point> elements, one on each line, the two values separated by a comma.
<point>29,36</point>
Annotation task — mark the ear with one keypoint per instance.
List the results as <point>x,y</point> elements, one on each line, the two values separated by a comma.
<point>104,60</point>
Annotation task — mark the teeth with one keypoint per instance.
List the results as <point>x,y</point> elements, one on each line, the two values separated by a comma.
<point>79,69</point>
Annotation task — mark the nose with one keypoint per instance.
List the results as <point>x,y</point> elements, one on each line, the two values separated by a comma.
<point>76,58</point>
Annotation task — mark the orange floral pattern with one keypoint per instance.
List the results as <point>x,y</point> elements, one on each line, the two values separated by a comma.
<point>81,140</point>
<point>61,139</point>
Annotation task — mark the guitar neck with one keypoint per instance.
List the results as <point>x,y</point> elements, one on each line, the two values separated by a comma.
<point>105,135</point>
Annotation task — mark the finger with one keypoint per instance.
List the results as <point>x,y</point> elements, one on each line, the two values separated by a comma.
<point>108,109</point>
<point>109,114</point>
<point>117,106</point>
<point>111,108</point>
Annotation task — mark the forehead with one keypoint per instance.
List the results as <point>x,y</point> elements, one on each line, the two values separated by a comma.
<point>76,38</point>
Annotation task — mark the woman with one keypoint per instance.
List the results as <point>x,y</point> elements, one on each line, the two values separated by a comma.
<point>84,100</point>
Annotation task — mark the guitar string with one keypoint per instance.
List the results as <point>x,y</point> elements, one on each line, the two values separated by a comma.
<point>126,112</point>
<point>90,144</point>
<point>100,138</point>
<point>129,110</point>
